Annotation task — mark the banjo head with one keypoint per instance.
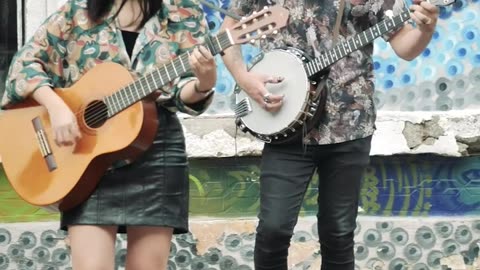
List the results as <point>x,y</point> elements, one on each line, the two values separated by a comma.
<point>295,87</point>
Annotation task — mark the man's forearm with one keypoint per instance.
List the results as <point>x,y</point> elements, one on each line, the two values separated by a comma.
<point>233,60</point>
<point>232,56</point>
<point>410,42</point>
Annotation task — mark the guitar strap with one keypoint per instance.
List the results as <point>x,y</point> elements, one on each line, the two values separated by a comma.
<point>336,30</point>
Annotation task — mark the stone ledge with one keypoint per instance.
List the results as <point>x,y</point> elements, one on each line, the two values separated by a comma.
<point>452,133</point>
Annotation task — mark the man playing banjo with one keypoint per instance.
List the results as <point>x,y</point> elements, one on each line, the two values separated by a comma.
<point>338,145</point>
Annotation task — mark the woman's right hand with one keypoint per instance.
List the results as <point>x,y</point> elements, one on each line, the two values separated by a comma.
<point>62,120</point>
<point>64,124</point>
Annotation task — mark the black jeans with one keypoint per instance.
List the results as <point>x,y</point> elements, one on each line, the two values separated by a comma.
<point>286,172</point>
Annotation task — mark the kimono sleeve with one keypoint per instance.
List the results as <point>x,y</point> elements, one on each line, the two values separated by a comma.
<point>39,62</point>
<point>188,27</point>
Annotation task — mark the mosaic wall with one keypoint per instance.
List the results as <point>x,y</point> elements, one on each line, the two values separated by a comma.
<point>442,193</point>
<point>445,76</point>
<point>393,186</point>
<point>390,244</point>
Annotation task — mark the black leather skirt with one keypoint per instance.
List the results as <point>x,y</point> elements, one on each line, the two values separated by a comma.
<point>152,191</point>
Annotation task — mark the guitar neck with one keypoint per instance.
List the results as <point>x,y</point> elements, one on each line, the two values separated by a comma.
<point>352,44</point>
<point>159,77</point>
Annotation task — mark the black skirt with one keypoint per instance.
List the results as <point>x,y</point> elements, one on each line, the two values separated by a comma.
<point>152,191</point>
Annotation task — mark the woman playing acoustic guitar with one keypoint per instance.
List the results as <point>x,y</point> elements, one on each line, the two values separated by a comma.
<point>147,199</point>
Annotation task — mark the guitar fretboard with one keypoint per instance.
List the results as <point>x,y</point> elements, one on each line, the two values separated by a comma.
<point>154,80</point>
<point>354,43</point>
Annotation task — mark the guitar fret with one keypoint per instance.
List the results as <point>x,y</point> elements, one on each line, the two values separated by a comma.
<point>109,107</point>
<point>180,66</point>
<point>355,44</point>
<point>127,97</point>
<point>129,88</point>
<point>154,82</point>
<point>142,88</point>
<point>117,99</point>
<point>130,95</point>
<point>183,65</point>
<point>126,94</point>
<point>159,74</point>
<point>317,63</point>
<point>123,97</point>
<point>324,63</point>
<point>174,69</point>
<point>115,103</point>
<point>218,42</point>
<point>168,75</point>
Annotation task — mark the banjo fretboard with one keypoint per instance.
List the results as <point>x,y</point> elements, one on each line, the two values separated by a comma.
<point>352,44</point>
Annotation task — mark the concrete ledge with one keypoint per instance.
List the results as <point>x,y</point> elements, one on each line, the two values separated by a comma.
<point>451,133</point>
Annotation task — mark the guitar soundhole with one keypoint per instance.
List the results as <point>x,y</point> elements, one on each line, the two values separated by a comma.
<point>96,114</point>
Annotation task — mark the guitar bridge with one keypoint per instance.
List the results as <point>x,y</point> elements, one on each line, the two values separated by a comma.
<point>43,144</point>
<point>243,108</point>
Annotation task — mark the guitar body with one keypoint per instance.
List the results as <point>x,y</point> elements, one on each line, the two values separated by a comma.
<point>117,117</point>
<point>70,174</point>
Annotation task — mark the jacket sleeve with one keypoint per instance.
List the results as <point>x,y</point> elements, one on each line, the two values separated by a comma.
<point>188,27</point>
<point>39,62</point>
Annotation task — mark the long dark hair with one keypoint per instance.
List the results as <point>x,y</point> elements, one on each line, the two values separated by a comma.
<point>97,9</point>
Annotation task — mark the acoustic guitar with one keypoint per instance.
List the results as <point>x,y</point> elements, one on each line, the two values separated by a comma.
<point>116,118</point>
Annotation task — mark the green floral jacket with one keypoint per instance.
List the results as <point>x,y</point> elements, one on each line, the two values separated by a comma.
<point>68,44</point>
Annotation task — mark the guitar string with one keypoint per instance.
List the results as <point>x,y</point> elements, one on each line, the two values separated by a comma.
<point>97,113</point>
<point>383,28</point>
<point>97,116</point>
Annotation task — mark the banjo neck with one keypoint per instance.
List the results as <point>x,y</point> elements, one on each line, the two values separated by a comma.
<point>360,40</point>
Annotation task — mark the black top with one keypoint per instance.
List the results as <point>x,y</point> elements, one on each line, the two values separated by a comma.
<point>129,39</point>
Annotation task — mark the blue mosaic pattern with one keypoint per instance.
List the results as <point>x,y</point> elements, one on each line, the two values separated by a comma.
<point>417,185</point>
<point>445,76</point>
<point>385,243</point>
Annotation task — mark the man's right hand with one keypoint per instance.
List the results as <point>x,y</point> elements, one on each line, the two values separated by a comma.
<point>254,85</point>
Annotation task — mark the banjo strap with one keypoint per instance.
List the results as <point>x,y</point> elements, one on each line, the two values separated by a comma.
<point>320,92</point>
<point>336,30</point>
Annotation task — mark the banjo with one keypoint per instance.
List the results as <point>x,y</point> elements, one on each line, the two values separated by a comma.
<point>304,95</point>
